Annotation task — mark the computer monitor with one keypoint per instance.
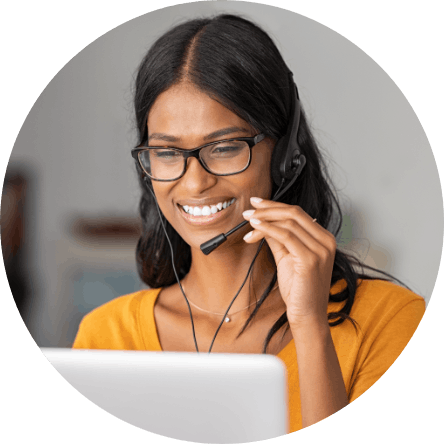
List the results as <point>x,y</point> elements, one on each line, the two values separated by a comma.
<point>199,397</point>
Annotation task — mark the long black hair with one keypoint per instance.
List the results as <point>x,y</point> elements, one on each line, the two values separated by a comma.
<point>236,63</point>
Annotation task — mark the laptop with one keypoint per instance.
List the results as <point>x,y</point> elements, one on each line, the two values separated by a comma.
<point>198,397</point>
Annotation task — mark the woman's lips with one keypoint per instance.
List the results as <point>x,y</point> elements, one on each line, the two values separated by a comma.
<point>203,220</point>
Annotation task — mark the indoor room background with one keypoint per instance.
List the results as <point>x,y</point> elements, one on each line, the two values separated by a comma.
<point>69,211</point>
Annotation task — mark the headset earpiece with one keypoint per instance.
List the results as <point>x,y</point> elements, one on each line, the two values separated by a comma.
<point>298,164</point>
<point>287,160</point>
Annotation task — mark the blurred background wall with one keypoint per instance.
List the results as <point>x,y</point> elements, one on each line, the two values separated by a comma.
<point>69,201</point>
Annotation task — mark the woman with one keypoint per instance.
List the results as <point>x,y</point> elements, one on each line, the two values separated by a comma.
<point>219,89</point>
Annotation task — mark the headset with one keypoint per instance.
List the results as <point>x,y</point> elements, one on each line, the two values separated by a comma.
<point>287,162</point>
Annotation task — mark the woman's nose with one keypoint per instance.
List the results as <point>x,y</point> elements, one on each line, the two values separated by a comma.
<point>196,179</point>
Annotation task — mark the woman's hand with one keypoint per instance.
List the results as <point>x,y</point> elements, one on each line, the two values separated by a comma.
<point>304,253</point>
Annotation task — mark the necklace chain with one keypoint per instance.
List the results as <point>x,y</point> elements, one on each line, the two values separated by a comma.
<point>227,319</point>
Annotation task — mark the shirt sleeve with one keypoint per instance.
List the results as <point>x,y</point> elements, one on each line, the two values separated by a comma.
<point>384,345</point>
<point>95,332</point>
<point>81,340</point>
<point>113,326</point>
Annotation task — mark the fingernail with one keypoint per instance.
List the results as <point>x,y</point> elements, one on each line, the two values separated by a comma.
<point>255,199</point>
<point>255,221</point>
<point>248,213</point>
<point>248,235</point>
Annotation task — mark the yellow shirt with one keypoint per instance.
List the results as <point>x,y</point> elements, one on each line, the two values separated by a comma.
<point>387,315</point>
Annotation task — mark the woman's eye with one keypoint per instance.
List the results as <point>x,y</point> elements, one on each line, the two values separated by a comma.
<point>231,149</point>
<point>166,155</point>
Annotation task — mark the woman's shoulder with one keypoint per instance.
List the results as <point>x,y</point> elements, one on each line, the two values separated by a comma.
<point>114,321</point>
<point>378,303</point>
<point>122,306</point>
<point>385,317</point>
<point>378,294</point>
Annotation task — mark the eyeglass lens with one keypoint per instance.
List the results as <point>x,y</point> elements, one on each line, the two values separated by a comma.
<point>226,157</point>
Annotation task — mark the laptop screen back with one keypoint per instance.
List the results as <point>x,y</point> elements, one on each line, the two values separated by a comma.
<point>217,398</point>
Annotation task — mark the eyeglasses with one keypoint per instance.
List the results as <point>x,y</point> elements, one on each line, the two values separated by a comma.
<point>221,158</point>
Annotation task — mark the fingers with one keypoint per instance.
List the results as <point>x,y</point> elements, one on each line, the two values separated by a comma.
<point>277,248</point>
<point>292,218</point>
<point>289,234</point>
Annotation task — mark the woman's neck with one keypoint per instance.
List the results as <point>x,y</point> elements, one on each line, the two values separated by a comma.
<point>214,280</point>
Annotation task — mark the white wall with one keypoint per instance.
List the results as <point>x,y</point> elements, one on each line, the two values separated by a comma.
<point>79,134</point>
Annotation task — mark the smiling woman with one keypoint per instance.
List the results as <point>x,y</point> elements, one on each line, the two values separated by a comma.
<point>223,140</point>
<point>192,118</point>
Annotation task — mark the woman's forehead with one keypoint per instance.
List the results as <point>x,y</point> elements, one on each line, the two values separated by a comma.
<point>184,112</point>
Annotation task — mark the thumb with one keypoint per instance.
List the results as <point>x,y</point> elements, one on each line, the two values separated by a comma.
<point>279,251</point>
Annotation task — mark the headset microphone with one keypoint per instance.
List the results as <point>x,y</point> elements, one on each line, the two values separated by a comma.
<point>286,164</point>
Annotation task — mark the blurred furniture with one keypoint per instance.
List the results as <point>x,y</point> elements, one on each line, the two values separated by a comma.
<point>13,213</point>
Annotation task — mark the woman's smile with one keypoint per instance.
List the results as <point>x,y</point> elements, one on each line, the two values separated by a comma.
<point>206,214</point>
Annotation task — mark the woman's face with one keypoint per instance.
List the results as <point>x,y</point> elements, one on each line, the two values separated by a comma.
<point>184,117</point>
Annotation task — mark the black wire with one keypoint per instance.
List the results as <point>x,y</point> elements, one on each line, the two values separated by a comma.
<point>242,286</point>
<point>174,268</point>
<point>249,270</point>
<point>178,280</point>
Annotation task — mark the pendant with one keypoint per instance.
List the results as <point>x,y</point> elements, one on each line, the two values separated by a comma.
<point>227,319</point>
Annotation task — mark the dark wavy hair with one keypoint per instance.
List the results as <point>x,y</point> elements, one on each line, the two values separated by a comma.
<point>236,63</point>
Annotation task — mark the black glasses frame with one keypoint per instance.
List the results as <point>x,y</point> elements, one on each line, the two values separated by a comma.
<point>195,152</point>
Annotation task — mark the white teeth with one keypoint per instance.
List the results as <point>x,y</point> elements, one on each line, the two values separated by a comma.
<point>207,210</point>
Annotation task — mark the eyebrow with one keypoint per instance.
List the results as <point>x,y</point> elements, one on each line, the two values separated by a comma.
<point>213,135</point>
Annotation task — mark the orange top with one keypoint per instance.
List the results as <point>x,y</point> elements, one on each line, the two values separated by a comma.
<point>387,315</point>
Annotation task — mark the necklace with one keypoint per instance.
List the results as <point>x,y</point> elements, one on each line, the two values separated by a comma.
<point>227,318</point>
